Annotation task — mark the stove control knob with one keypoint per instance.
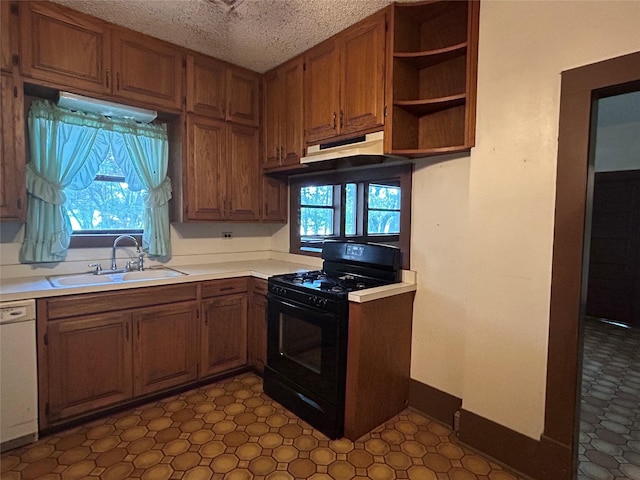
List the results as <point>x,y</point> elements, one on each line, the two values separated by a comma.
<point>323,302</point>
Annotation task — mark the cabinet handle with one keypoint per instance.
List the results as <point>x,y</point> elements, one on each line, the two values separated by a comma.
<point>341,117</point>
<point>206,319</point>
<point>118,81</point>
<point>126,329</point>
<point>107,78</point>
<point>225,289</point>
<point>138,323</point>
<point>334,120</point>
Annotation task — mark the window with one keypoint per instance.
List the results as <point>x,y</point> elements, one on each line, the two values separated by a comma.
<point>370,205</point>
<point>107,205</point>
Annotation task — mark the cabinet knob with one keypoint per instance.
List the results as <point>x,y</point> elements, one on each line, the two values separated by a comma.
<point>118,81</point>
<point>107,78</point>
<point>334,120</point>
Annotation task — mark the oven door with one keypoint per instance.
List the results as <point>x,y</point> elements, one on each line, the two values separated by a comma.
<point>307,346</point>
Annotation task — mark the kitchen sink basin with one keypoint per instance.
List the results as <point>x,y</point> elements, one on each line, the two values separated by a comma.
<point>86,279</point>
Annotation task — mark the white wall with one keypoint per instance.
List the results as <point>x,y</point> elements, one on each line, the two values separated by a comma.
<point>190,244</point>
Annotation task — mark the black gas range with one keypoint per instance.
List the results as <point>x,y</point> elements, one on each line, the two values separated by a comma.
<point>307,329</point>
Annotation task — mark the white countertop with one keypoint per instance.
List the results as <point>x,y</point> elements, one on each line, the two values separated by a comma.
<point>39,287</point>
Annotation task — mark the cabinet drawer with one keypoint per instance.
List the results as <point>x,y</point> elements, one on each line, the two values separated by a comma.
<point>215,288</point>
<point>259,286</point>
<point>74,305</point>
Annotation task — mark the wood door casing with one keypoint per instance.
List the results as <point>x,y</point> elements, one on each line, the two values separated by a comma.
<point>165,352</point>
<point>147,71</point>
<point>224,334</point>
<point>89,363</point>
<point>79,57</point>
<point>205,190</point>
<point>363,73</point>
<point>12,151</point>
<point>614,262</point>
<point>206,86</point>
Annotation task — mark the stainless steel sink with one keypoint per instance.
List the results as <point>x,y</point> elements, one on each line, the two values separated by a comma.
<point>85,279</point>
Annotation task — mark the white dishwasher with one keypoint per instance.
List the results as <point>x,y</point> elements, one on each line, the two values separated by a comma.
<point>18,374</point>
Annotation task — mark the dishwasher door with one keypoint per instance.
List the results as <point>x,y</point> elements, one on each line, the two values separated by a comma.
<point>18,374</point>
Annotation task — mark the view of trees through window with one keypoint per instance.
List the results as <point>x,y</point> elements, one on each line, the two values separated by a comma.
<point>323,206</point>
<point>107,204</point>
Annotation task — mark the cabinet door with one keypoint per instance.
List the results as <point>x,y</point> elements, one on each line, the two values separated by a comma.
<point>89,364</point>
<point>204,191</point>
<point>362,89</point>
<point>206,86</point>
<point>224,334</point>
<point>292,117</point>
<point>147,70</point>
<point>165,347</point>
<point>64,47</point>
<point>6,35</point>
<point>243,90</point>
<point>322,86</point>
<point>257,335</point>
<point>275,199</point>
<point>243,173</point>
<point>272,116</point>
<point>12,151</point>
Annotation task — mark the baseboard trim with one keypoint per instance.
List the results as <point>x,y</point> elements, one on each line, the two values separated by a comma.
<point>434,403</point>
<point>542,459</point>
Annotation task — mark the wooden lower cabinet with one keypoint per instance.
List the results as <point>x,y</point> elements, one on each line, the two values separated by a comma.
<point>257,327</point>
<point>165,349</point>
<point>89,364</point>
<point>224,334</point>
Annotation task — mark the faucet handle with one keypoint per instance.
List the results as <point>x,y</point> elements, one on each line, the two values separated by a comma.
<point>98,268</point>
<point>141,261</point>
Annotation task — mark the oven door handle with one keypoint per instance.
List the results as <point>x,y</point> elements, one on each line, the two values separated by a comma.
<point>300,307</point>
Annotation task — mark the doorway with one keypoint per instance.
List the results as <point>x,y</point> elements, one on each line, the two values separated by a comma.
<point>580,87</point>
<point>609,437</point>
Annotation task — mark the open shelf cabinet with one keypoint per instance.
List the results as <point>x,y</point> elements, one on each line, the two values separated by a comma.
<point>432,73</point>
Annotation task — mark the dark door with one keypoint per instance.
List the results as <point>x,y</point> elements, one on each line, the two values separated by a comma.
<point>614,265</point>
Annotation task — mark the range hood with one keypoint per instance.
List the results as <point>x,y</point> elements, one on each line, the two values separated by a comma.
<point>72,101</point>
<point>364,145</point>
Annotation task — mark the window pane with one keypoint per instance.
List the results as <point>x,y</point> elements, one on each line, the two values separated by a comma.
<point>316,221</point>
<point>383,222</point>
<point>321,195</point>
<point>351,194</point>
<point>106,204</point>
<point>384,197</point>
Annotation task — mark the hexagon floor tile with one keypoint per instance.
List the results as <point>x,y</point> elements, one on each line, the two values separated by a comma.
<point>231,430</point>
<point>609,444</point>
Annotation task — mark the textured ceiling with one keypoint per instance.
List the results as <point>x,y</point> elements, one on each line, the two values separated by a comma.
<point>257,34</point>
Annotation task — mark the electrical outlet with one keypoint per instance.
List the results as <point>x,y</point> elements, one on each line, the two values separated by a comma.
<point>227,235</point>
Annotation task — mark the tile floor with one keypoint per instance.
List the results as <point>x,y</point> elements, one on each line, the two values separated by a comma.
<point>230,430</point>
<point>610,409</point>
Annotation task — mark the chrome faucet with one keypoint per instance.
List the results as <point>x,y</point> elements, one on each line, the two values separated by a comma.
<point>113,252</point>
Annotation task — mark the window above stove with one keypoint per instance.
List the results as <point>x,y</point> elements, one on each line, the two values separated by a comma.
<point>372,205</point>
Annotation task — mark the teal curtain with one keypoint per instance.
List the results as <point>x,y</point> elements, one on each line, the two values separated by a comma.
<point>66,150</point>
<point>146,147</point>
<point>64,147</point>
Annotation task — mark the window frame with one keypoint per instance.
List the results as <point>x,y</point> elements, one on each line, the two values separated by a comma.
<point>400,174</point>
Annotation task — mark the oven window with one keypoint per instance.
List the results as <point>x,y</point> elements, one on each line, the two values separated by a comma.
<point>301,342</point>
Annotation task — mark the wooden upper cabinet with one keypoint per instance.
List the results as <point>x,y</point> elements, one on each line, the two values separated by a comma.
<point>204,190</point>
<point>206,86</point>
<point>147,70</point>
<point>344,82</point>
<point>274,197</point>
<point>283,115</point>
<point>13,196</point>
<point>8,44</point>
<point>68,49</point>
<point>322,91</point>
<point>243,91</point>
<point>242,173</point>
<point>64,47</point>
<point>362,92</point>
